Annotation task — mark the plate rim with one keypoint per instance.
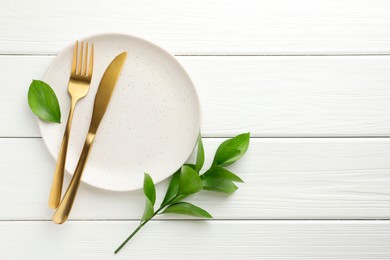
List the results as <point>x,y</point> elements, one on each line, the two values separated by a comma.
<point>141,39</point>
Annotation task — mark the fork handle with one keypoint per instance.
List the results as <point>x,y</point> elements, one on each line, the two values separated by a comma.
<point>62,212</point>
<point>56,187</point>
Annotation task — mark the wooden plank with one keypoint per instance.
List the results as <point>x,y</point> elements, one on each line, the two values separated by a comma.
<point>197,240</point>
<point>203,27</point>
<point>269,96</point>
<point>284,179</point>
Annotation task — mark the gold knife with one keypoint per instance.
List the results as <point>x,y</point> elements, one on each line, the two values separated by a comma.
<point>102,98</point>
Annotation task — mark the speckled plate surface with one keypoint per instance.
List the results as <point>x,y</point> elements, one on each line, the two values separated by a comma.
<point>151,124</point>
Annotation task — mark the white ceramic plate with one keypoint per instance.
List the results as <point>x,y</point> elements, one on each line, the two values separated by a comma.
<point>151,124</point>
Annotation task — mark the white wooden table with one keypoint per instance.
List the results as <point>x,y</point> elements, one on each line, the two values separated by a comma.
<point>309,79</point>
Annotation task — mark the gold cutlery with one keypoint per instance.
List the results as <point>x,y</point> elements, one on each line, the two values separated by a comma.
<point>102,99</point>
<point>80,79</point>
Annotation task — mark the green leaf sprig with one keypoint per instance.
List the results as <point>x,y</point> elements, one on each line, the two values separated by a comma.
<point>43,102</point>
<point>187,181</point>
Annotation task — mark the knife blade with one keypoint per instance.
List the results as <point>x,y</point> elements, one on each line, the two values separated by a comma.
<point>102,99</point>
<point>105,90</point>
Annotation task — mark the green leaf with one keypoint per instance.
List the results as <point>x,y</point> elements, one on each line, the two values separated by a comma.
<point>149,189</point>
<point>189,181</point>
<point>150,193</point>
<point>200,155</point>
<point>172,189</point>
<point>232,150</point>
<point>186,208</point>
<point>192,166</point>
<point>219,172</point>
<point>221,185</point>
<point>225,155</point>
<point>43,102</point>
<point>178,198</point>
<point>149,210</point>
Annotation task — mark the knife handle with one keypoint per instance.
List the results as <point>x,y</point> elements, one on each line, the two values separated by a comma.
<point>62,212</point>
<point>56,186</point>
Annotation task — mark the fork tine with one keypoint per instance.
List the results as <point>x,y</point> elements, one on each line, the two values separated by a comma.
<point>85,60</point>
<point>90,66</point>
<point>80,59</point>
<point>74,60</point>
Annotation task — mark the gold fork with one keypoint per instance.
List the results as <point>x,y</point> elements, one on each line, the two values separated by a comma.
<point>80,79</point>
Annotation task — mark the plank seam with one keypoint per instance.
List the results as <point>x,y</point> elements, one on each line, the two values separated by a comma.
<point>231,55</point>
<point>252,137</point>
<point>197,220</point>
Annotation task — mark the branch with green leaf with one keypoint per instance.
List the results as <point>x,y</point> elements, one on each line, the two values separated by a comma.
<point>187,181</point>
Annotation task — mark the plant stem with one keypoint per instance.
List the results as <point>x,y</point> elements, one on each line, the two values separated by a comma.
<point>141,225</point>
<point>127,239</point>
